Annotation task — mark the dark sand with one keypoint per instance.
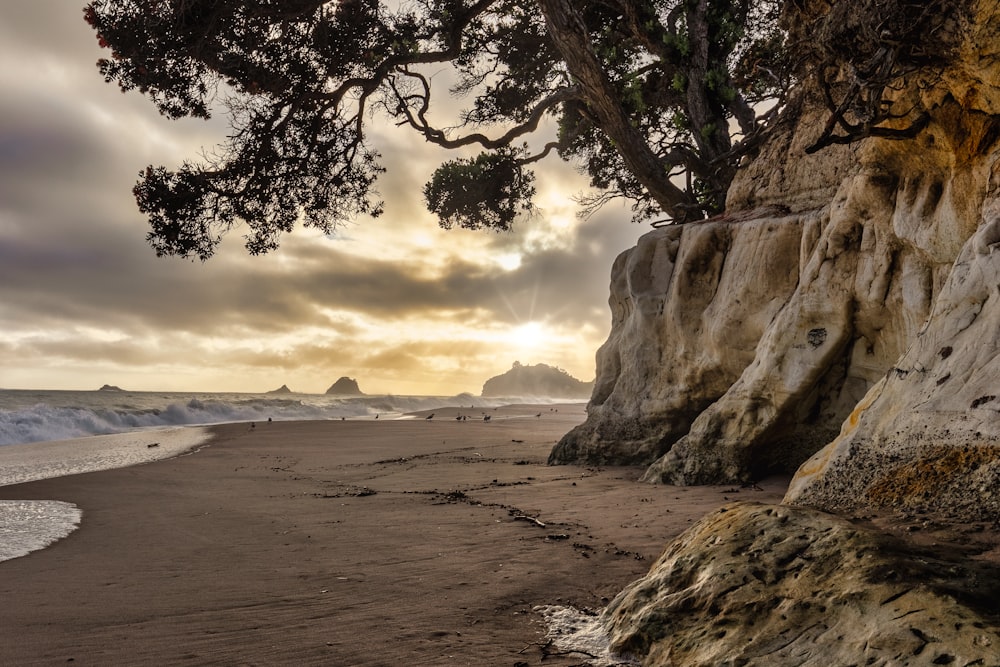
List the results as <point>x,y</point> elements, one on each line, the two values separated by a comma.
<point>341,543</point>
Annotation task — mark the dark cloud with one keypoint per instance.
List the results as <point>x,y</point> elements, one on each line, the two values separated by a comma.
<point>126,353</point>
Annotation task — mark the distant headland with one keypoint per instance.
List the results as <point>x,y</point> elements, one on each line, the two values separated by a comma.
<point>110,387</point>
<point>537,380</point>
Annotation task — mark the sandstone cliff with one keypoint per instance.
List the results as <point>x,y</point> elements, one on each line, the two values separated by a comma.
<point>839,322</point>
<point>742,344</point>
<point>926,435</point>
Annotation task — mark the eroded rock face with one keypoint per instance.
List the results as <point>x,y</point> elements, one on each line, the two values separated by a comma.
<point>741,345</point>
<point>928,434</point>
<point>774,585</point>
<point>860,298</point>
<point>887,335</point>
<point>710,378</point>
<point>689,306</point>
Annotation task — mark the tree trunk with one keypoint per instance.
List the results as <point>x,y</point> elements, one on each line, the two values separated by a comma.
<point>570,36</point>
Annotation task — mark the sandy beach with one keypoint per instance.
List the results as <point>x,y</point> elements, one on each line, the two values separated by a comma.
<point>416,542</point>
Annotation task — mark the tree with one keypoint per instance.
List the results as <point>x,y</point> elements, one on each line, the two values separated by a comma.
<point>655,100</point>
<point>868,52</point>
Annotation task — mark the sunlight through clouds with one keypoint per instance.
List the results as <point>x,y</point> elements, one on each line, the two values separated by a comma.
<point>398,302</point>
<point>531,336</point>
<point>510,261</point>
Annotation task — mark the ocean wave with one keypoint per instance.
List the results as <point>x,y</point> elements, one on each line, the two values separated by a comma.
<point>66,415</point>
<point>44,422</point>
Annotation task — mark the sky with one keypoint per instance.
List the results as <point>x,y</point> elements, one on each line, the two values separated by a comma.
<point>397,303</point>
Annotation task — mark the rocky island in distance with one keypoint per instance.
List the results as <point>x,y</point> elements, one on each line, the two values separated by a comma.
<point>538,380</point>
<point>345,386</point>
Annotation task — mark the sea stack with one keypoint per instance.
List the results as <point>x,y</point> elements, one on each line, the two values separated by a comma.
<point>345,386</point>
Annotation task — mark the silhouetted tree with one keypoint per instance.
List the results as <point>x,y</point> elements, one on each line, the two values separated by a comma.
<point>657,101</point>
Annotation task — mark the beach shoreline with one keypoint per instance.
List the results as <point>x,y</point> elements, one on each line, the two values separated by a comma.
<point>356,542</point>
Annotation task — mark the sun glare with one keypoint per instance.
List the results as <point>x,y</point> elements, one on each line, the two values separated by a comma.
<point>561,221</point>
<point>530,335</point>
<point>509,261</point>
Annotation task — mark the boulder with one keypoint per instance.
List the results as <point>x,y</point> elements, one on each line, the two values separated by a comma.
<point>755,584</point>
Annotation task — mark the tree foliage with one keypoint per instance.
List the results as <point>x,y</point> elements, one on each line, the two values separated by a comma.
<point>655,100</point>
<point>459,188</point>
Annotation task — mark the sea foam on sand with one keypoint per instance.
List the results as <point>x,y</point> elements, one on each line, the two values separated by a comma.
<point>27,526</point>
<point>574,631</point>
<point>30,525</point>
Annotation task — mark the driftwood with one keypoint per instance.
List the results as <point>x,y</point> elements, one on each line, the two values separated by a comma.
<point>531,519</point>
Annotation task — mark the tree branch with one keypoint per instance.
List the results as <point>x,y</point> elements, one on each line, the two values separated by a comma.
<point>419,121</point>
<point>573,42</point>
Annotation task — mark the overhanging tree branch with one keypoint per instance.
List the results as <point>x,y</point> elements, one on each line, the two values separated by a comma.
<point>643,96</point>
<point>571,38</point>
<point>420,123</point>
<point>860,65</point>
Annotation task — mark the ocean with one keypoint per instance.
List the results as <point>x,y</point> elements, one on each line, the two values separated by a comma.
<point>41,416</point>
<point>46,434</point>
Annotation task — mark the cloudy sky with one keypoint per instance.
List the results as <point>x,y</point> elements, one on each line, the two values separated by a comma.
<point>399,304</point>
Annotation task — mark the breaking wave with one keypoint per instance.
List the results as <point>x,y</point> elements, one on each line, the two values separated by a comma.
<point>40,416</point>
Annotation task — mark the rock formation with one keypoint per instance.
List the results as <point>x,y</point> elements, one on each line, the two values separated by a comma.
<point>773,585</point>
<point>283,389</point>
<point>926,435</point>
<point>742,344</point>
<point>839,322</point>
<point>110,387</point>
<point>539,380</point>
<point>345,386</point>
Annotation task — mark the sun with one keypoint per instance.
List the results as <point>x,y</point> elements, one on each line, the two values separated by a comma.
<point>531,335</point>
<point>509,261</point>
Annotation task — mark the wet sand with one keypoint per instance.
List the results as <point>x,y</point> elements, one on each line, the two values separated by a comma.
<point>411,542</point>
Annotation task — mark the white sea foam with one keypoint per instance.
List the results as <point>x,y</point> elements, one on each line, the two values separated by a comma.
<point>43,460</point>
<point>42,416</point>
<point>29,525</point>
<point>575,631</point>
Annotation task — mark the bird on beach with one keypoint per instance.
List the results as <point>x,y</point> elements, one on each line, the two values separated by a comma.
<point>430,416</point>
